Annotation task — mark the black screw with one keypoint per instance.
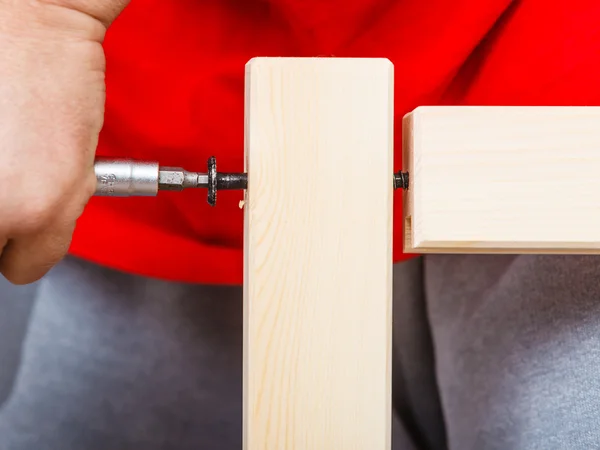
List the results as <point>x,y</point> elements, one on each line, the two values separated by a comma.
<point>233,181</point>
<point>401,180</point>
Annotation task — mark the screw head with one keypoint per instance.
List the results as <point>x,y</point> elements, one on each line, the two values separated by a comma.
<point>401,180</point>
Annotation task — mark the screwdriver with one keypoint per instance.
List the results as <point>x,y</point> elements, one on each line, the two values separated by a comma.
<point>131,178</point>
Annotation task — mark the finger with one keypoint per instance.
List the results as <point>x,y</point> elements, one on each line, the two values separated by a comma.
<point>26,259</point>
<point>3,242</point>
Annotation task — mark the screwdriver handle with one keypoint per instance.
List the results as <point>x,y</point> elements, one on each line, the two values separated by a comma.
<point>126,178</point>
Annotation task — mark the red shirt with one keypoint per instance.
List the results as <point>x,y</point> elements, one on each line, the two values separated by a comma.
<point>175,93</point>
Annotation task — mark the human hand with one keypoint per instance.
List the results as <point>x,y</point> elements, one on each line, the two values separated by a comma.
<point>52,96</point>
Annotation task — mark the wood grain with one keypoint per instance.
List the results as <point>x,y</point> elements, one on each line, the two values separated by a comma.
<point>318,254</point>
<point>502,180</point>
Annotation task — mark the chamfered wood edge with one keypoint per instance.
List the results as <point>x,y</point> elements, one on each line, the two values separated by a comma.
<point>407,194</point>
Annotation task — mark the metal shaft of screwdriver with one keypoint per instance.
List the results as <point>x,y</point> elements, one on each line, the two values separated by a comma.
<point>128,178</point>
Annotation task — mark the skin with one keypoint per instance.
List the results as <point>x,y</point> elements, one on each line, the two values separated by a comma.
<point>52,95</point>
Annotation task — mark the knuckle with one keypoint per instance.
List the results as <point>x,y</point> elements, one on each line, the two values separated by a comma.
<point>52,198</point>
<point>37,212</point>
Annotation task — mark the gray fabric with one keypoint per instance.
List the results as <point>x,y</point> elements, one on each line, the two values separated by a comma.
<point>15,308</point>
<point>490,352</point>
<point>517,345</point>
<point>113,361</point>
<point>119,362</point>
<point>415,390</point>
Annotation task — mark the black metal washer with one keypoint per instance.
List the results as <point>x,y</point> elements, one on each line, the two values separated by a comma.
<point>212,181</point>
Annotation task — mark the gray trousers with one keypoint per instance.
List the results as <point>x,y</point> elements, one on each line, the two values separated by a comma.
<point>490,352</point>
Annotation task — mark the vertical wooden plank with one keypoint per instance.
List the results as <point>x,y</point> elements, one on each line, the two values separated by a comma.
<point>318,254</point>
<point>502,179</point>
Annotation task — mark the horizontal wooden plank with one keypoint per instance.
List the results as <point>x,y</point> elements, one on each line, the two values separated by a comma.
<point>495,179</point>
